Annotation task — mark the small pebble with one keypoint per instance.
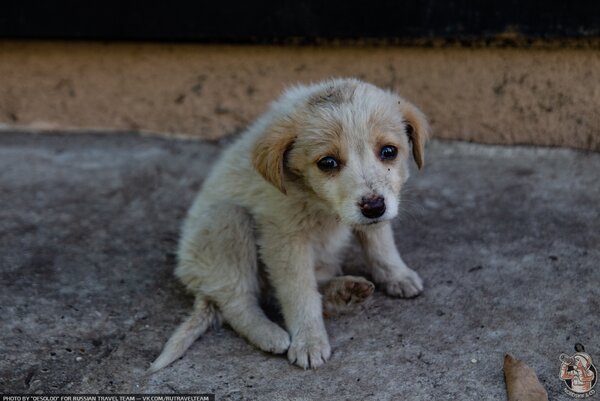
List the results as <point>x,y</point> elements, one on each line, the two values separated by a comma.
<point>78,358</point>
<point>473,360</point>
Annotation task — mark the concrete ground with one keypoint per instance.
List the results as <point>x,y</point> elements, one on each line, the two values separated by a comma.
<point>506,238</point>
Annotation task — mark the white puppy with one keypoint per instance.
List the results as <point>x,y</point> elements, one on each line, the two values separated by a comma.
<point>327,160</point>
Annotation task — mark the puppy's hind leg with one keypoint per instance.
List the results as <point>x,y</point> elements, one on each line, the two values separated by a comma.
<point>343,294</point>
<point>218,259</point>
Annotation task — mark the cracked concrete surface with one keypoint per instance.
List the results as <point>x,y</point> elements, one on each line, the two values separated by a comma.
<point>506,238</point>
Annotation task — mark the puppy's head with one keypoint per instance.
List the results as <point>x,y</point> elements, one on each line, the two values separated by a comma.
<point>346,143</point>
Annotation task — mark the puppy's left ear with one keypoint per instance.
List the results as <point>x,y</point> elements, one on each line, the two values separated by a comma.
<point>417,129</point>
<point>268,155</point>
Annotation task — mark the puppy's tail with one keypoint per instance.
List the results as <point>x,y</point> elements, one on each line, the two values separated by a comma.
<point>202,318</point>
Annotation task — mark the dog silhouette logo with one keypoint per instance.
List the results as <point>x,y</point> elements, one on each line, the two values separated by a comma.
<point>579,373</point>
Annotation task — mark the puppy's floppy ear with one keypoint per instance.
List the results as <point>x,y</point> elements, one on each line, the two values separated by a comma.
<point>269,151</point>
<point>417,129</point>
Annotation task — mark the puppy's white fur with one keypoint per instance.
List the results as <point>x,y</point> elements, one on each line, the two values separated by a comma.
<point>267,198</point>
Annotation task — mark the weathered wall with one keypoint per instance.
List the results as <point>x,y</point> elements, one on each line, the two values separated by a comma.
<point>494,95</point>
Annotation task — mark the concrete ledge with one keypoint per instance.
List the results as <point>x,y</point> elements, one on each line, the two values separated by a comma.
<point>506,239</point>
<point>489,95</point>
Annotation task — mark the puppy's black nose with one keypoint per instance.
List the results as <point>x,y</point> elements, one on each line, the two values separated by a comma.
<point>372,207</point>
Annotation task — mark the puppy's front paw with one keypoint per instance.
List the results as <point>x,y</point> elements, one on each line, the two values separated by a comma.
<point>273,339</point>
<point>309,350</point>
<point>407,285</point>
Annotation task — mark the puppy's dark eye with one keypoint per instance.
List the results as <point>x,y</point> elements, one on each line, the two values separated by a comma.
<point>328,163</point>
<point>388,152</point>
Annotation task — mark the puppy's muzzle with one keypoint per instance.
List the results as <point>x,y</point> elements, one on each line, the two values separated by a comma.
<point>372,207</point>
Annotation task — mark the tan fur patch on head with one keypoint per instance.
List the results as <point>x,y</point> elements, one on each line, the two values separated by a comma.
<point>382,138</point>
<point>319,142</point>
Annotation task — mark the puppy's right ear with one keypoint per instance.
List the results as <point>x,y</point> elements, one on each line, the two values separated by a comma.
<point>417,129</point>
<point>269,152</point>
